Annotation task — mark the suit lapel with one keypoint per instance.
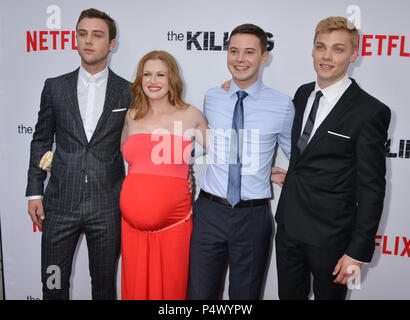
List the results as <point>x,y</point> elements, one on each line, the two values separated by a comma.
<point>71,84</point>
<point>300,105</point>
<point>334,115</point>
<point>111,95</point>
<point>301,108</point>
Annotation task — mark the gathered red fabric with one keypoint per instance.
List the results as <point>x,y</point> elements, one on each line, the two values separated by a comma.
<point>156,227</point>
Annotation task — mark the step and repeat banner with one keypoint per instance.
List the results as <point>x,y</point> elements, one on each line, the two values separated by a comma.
<point>38,41</point>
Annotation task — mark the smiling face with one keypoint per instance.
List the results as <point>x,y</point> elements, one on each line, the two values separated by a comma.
<point>245,58</point>
<point>155,82</point>
<point>94,44</point>
<point>332,54</point>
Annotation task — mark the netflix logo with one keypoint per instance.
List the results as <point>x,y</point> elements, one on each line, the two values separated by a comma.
<point>384,45</point>
<point>377,44</point>
<point>50,40</point>
<point>396,246</point>
<point>54,38</point>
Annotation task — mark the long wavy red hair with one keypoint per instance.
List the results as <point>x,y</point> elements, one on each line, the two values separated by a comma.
<point>141,103</point>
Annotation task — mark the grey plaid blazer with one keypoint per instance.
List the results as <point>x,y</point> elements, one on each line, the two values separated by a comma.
<point>77,163</point>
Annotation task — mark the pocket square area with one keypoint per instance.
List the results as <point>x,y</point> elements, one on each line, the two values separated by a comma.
<point>339,135</point>
<point>119,110</point>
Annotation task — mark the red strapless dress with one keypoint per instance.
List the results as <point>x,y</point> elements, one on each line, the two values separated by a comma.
<point>156,221</point>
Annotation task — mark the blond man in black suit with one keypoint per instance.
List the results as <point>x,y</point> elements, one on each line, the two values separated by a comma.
<point>332,197</point>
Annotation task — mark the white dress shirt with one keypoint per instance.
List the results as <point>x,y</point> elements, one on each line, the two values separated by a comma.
<point>91,96</point>
<point>331,96</point>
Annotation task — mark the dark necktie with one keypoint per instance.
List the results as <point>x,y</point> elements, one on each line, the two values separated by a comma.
<point>304,138</point>
<point>234,178</point>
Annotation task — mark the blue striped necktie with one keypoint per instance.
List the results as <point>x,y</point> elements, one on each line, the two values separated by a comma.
<point>234,179</point>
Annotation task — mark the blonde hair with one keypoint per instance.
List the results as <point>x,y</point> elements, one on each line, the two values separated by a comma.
<point>141,103</point>
<point>338,23</point>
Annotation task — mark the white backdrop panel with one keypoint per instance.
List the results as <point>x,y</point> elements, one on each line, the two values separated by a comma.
<point>146,25</point>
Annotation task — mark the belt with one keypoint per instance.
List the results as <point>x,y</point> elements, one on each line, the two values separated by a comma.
<point>240,204</point>
<point>174,224</point>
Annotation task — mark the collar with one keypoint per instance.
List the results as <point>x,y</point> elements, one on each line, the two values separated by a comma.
<point>335,90</point>
<point>97,78</point>
<point>252,91</point>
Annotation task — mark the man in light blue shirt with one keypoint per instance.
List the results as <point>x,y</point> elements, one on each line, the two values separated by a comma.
<point>268,118</point>
<point>232,217</point>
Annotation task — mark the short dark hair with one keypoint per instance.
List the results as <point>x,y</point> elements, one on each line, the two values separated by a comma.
<point>252,29</point>
<point>94,13</point>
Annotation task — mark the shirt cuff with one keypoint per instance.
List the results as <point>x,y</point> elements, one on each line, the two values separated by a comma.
<point>35,197</point>
<point>355,259</point>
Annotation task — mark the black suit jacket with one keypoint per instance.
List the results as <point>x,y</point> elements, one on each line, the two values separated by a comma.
<point>334,191</point>
<point>76,160</point>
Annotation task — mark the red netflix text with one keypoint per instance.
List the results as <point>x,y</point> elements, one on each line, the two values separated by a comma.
<point>397,246</point>
<point>386,45</point>
<point>50,40</point>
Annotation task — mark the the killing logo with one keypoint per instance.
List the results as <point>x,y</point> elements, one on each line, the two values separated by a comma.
<point>208,40</point>
<point>404,149</point>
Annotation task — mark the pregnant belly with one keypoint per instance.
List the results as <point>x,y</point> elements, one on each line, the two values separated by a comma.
<point>151,202</point>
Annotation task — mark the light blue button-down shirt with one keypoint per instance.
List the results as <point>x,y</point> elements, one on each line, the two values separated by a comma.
<point>268,118</point>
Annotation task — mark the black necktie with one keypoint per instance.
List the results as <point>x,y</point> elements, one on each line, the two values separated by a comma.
<point>304,138</point>
<point>234,178</point>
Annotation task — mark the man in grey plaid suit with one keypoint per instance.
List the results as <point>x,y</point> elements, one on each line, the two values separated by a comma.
<point>85,111</point>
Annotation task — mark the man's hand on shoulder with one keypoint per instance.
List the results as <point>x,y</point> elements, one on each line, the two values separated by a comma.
<point>226,85</point>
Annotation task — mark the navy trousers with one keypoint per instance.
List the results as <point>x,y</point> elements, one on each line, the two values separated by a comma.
<point>297,261</point>
<point>240,237</point>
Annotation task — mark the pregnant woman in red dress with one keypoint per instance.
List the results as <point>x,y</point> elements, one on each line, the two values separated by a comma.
<point>155,201</point>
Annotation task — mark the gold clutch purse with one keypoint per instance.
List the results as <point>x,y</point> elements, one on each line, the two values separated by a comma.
<point>46,161</point>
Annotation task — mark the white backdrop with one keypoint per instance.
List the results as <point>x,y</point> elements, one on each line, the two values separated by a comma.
<point>36,43</point>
